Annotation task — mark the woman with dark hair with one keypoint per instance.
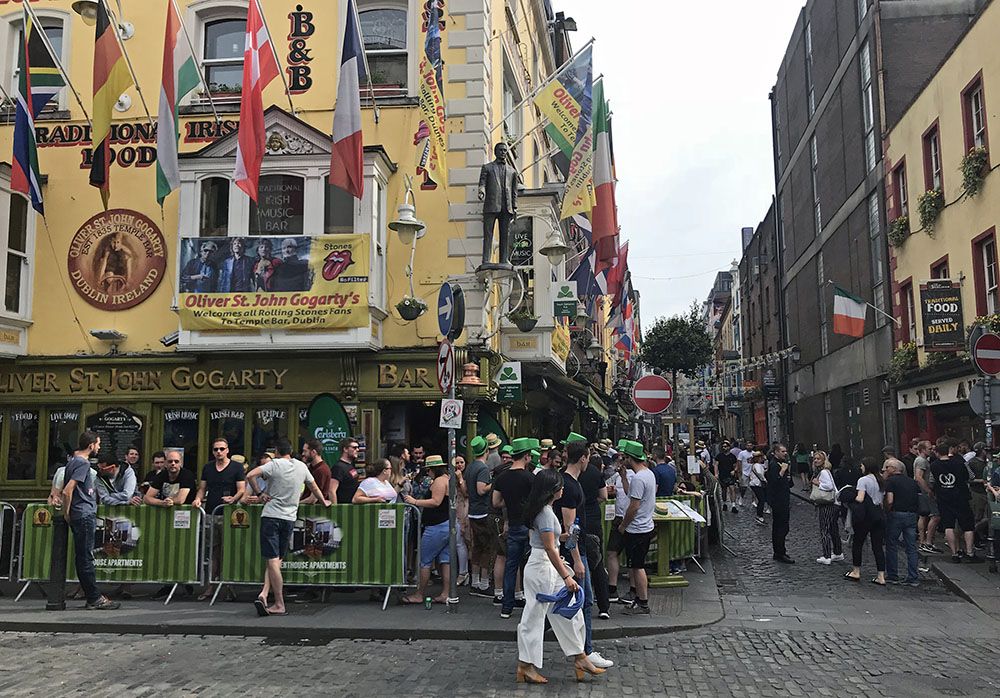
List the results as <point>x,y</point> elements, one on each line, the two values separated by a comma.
<point>802,462</point>
<point>545,573</point>
<point>435,538</point>
<point>868,520</point>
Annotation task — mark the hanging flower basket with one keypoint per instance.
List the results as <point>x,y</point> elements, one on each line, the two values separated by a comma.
<point>899,230</point>
<point>930,205</point>
<point>974,168</point>
<point>523,319</point>
<point>411,308</point>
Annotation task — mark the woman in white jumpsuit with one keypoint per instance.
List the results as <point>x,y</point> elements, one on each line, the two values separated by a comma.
<point>546,573</point>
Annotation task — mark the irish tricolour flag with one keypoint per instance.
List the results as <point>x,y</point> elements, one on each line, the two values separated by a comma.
<point>849,313</point>
<point>180,76</point>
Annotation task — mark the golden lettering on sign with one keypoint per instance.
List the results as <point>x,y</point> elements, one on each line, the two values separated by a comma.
<point>390,376</point>
<point>126,380</point>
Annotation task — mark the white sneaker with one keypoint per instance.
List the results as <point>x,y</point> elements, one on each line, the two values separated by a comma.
<point>823,560</point>
<point>837,558</point>
<point>600,662</point>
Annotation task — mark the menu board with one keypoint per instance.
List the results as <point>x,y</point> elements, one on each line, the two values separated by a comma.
<point>941,312</point>
<point>119,429</point>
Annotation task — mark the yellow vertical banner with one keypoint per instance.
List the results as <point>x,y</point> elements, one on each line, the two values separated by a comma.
<point>432,108</point>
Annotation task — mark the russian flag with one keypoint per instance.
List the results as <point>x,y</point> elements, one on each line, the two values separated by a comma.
<point>347,157</point>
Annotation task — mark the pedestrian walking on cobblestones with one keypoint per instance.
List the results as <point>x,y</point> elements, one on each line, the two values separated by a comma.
<point>868,521</point>
<point>758,483</point>
<point>824,496</point>
<point>901,504</point>
<point>779,485</point>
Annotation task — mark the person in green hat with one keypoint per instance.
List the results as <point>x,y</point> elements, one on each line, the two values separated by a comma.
<point>483,524</point>
<point>506,456</point>
<point>510,493</point>
<point>637,523</point>
<point>435,538</point>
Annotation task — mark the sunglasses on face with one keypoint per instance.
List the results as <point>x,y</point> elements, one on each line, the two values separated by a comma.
<point>220,448</point>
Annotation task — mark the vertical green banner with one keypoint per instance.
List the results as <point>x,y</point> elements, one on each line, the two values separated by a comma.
<point>329,423</point>
<point>345,544</point>
<point>131,544</point>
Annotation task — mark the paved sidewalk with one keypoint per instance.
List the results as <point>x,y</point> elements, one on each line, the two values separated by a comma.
<point>975,583</point>
<point>351,616</point>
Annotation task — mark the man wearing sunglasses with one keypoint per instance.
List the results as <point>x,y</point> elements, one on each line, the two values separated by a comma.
<point>172,485</point>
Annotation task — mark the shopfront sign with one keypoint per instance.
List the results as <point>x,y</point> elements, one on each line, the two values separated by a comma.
<point>281,282</point>
<point>522,242</point>
<point>931,394</point>
<point>328,422</point>
<point>394,376</point>
<point>941,312</point>
<point>509,387</point>
<point>299,55</point>
<point>564,300</point>
<point>117,259</point>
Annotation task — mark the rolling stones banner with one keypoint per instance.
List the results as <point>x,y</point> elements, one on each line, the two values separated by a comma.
<point>258,282</point>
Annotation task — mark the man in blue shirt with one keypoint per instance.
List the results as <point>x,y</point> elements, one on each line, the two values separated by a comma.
<point>665,473</point>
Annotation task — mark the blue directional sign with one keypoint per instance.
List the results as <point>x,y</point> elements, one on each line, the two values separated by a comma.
<point>446,309</point>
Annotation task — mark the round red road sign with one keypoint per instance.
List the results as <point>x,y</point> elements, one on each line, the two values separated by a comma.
<point>986,354</point>
<point>653,394</point>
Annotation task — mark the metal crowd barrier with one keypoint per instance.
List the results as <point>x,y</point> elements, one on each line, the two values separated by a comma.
<point>199,548</point>
<point>411,544</point>
<point>8,533</point>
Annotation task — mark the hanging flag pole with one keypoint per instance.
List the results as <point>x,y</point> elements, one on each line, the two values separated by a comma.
<point>897,321</point>
<point>6,96</point>
<point>128,61</point>
<point>274,52</point>
<point>55,57</point>
<point>201,75</point>
<point>517,107</point>
<point>364,54</point>
<point>543,122</point>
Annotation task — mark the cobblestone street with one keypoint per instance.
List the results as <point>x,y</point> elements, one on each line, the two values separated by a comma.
<point>789,631</point>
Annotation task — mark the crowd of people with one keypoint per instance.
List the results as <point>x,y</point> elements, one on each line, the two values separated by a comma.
<point>894,503</point>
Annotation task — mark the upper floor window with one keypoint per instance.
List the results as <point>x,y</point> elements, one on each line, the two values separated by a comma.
<point>513,125</point>
<point>214,208</point>
<point>12,52</point>
<point>974,115</point>
<point>868,105</point>
<point>909,324</point>
<point>222,56</point>
<point>15,247</point>
<point>385,34</point>
<point>875,239</point>
<point>939,270</point>
<point>862,9</point>
<point>989,262</point>
<point>901,201</point>
<point>933,176</point>
<point>814,168</point>
<point>809,72</point>
<point>280,206</point>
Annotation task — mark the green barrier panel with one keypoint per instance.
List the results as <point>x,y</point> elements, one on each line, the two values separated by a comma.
<point>131,544</point>
<point>344,544</point>
<point>680,535</point>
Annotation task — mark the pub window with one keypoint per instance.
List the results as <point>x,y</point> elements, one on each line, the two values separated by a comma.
<point>22,453</point>
<point>377,284</point>
<point>214,218</point>
<point>269,425</point>
<point>974,115</point>
<point>911,315</point>
<point>64,430</point>
<point>15,260</point>
<point>13,50</point>
<point>229,423</point>
<point>384,31</point>
<point>901,200</point>
<point>222,56</point>
<point>180,430</point>
<point>513,125</point>
<point>940,269</point>
<point>280,206</point>
<point>990,275</point>
<point>339,210</point>
<point>932,159</point>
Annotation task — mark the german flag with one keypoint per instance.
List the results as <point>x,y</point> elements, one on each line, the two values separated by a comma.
<point>111,79</point>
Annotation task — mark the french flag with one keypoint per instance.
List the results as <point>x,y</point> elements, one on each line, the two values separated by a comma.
<point>347,157</point>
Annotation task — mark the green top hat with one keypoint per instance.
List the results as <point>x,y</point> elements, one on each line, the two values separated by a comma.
<point>632,449</point>
<point>478,445</point>
<point>507,450</point>
<point>574,438</point>
<point>434,462</point>
<point>522,445</point>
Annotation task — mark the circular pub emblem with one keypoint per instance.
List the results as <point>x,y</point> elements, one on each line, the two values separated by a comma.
<point>117,259</point>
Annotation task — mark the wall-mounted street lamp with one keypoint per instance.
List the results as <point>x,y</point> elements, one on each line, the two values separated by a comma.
<point>113,337</point>
<point>410,229</point>
<point>87,9</point>
<point>554,247</point>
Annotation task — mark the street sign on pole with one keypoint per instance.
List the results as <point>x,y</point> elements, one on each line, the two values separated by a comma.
<point>986,354</point>
<point>653,394</point>
<point>977,399</point>
<point>445,367</point>
<point>445,309</point>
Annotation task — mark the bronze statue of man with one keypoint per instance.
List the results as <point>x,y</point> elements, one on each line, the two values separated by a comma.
<point>498,192</point>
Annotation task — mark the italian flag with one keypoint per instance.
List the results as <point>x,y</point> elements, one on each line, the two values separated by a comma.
<point>849,313</point>
<point>180,76</point>
<point>604,216</point>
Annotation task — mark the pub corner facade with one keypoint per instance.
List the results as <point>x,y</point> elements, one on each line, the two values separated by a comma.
<point>105,320</point>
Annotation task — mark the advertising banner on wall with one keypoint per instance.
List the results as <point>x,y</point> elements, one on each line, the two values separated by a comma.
<point>256,282</point>
<point>131,544</point>
<point>352,544</point>
<point>941,312</point>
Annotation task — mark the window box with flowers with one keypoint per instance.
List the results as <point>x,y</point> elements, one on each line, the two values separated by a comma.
<point>523,319</point>
<point>930,205</point>
<point>899,230</point>
<point>974,168</point>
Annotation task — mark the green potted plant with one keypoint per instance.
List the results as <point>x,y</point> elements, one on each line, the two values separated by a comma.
<point>974,167</point>
<point>899,230</point>
<point>523,319</point>
<point>903,360</point>
<point>930,205</point>
<point>410,308</point>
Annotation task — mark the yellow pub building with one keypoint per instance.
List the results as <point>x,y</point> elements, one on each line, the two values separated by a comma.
<point>108,320</point>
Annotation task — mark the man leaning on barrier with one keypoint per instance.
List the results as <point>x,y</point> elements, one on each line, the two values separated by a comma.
<point>116,483</point>
<point>285,477</point>
<point>171,486</point>
<point>80,511</point>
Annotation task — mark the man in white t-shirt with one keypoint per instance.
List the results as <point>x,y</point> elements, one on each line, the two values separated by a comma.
<point>616,540</point>
<point>285,478</point>
<point>744,456</point>
<point>637,524</point>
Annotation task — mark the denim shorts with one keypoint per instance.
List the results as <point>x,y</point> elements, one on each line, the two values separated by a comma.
<point>275,536</point>
<point>434,545</point>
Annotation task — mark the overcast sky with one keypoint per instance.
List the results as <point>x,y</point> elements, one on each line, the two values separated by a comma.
<point>688,86</point>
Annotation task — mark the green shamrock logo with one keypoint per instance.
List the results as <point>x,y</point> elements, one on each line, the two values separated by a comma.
<point>508,374</point>
<point>564,292</point>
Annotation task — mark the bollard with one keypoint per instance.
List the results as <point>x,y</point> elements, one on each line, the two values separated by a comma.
<point>56,593</point>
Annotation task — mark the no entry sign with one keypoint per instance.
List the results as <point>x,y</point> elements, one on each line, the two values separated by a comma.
<point>986,354</point>
<point>653,394</point>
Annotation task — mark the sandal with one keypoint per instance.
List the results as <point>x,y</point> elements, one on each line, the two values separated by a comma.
<point>261,606</point>
<point>205,595</point>
<point>851,577</point>
<point>407,601</point>
<point>876,582</point>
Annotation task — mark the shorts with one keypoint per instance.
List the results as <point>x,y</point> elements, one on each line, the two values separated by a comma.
<point>616,541</point>
<point>485,540</point>
<point>960,512</point>
<point>434,545</point>
<point>275,537</point>
<point>802,468</point>
<point>636,549</point>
